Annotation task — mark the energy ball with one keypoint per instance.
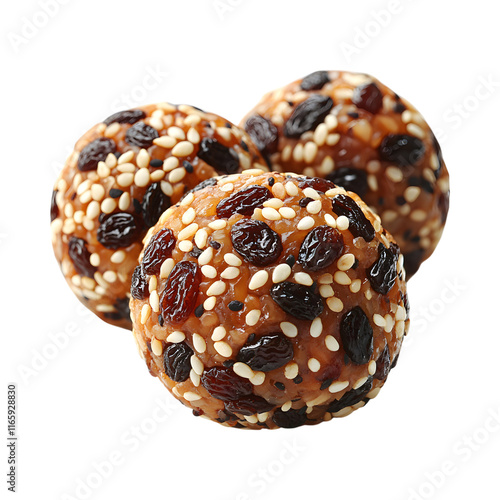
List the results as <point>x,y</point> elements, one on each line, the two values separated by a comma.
<point>353,130</point>
<point>270,300</point>
<point>122,175</point>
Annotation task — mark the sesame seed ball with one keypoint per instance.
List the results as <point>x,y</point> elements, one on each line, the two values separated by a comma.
<point>282,317</point>
<point>353,130</point>
<point>122,175</point>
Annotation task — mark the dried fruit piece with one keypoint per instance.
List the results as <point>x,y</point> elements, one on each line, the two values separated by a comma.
<point>141,135</point>
<point>383,364</point>
<point>249,405</point>
<point>95,152</point>
<point>80,256</point>
<point>225,160</point>
<point>139,286</point>
<point>382,274</point>
<point>256,242</point>
<point>159,248</point>
<point>267,353</point>
<point>356,333</point>
<point>308,115</point>
<point>118,230</point>
<point>402,149</point>
<point>351,179</point>
<point>54,209</point>
<point>290,419</point>
<point>178,300</point>
<point>321,185</point>
<point>222,383</point>
<point>177,359</point>
<point>320,248</point>
<point>122,310</point>
<point>154,203</point>
<point>128,116</point>
<point>368,97</point>
<point>315,81</point>
<point>359,225</point>
<point>352,397</point>
<point>243,202</point>
<point>297,300</point>
<point>263,133</point>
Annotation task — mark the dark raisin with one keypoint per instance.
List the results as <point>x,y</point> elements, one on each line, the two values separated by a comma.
<point>444,205</point>
<point>402,149</point>
<point>421,182</point>
<point>225,160</point>
<point>249,405</point>
<point>223,383</point>
<point>331,371</point>
<point>289,419</point>
<point>399,107</point>
<point>177,359</point>
<point>290,260</point>
<point>243,202</point>
<point>279,385</point>
<point>115,193</point>
<point>297,300</point>
<point>320,248</point>
<point>303,202</point>
<point>118,230</point>
<point>95,152</point>
<point>235,305</point>
<point>215,244</point>
<point>351,179</point>
<point>382,274</point>
<point>383,364</point>
<point>356,333</point>
<point>122,310</point>
<point>298,380</point>
<point>139,286</point>
<point>395,362</point>
<point>256,242</point>
<point>308,115</point>
<point>195,252</point>
<point>352,397</point>
<point>439,155</point>
<point>315,81</point>
<point>128,116</point>
<point>54,209</point>
<point>263,133</point>
<point>141,135</point>
<point>156,163</point>
<point>321,185</point>
<point>412,261</point>
<point>368,97</point>
<point>202,185</point>
<point>159,248</point>
<point>198,413</point>
<point>80,256</point>
<point>154,203</point>
<point>400,200</point>
<point>359,225</point>
<point>325,384</point>
<point>267,353</point>
<point>198,312</point>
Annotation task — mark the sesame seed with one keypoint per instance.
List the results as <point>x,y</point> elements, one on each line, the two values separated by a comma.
<point>289,329</point>
<point>188,216</point>
<point>305,223</point>
<point>325,279</point>
<point>209,303</point>
<point>332,139</point>
<point>355,286</point>
<point>196,363</point>
<point>303,278</point>
<point>395,174</point>
<point>199,343</point>
<point>418,215</point>
<point>331,343</point>
<point>252,318</point>
<point>291,189</point>
<point>224,132</point>
<point>195,378</point>
<point>156,346</point>
<point>117,257</point>
<point>313,364</point>
<point>154,301</point>
<point>185,246</point>
<point>400,329</point>
<point>273,203</point>
<point>341,278</point>
<point>335,304</point>
<point>188,231</point>
<point>176,133</point>
<point>243,370</point>
<point>217,224</point>
<point>166,268</point>
<point>311,193</point>
<point>326,291</point>
<point>145,313</point>
<point>270,213</point>
<point>331,122</point>
<point>95,259</point>
<point>359,383</point>
<point>85,197</point>
<point>286,153</point>
<point>124,201</point>
<point>223,348</point>
<point>171,163</point>
<point>193,136</point>
<point>415,130</point>
<point>316,327</point>
<point>372,367</point>
<point>87,282</point>
<point>327,165</point>
<point>372,182</point>
<point>314,207</point>
<point>217,288</point>
<point>310,151</point>
<point>111,160</point>
<point>291,370</point>
<point>153,283</point>
<point>400,313</point>
<point>184,148</point>
<point>330,221</point>
<point>125,180</point>
<point>286,406</point>
<point>232,259</point>
<point>165,141</point>
<point>338,386</point>
<point>320,134</point>
<point>346,261</point>
<point>97,191</point>
<point>69,226</point>
<point>379,320</point>
<point>342,223</point>
<point>287,212</point>
<point>219,333</point>
<point>258,378</point>
<point>389,323</point>
<point>227,188</point>
<point>206,256</point>
<point>209,271</point>
<point>230,273</point>
<point>93,209</point>
<point>281,273</point>
<point>143,158</point>
<point>298,153</point>
<point>411,193</point>
<point>84,186</point>
<point>258,279</point>
<point>109,276</point>
<point>200,238</point>
<point>191,396</point>
<point>176,175</point>
<point>126,157</point>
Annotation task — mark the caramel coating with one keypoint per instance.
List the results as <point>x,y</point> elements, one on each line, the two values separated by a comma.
<point>352,142</point>
<point>137,162</point>
<point>231,306</point>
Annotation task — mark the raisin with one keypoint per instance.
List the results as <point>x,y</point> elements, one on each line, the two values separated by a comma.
<point>444,205</point>
<point>249,405</point>
<point>321,185</point>
<point>289,419</point>
<point>263,133</point>
<point>315,81</point>
<point>177,359</point>
<point>304,202</point>
<point>357,335</point>
<point>80,256</point>
<point>401,149</point>
<point>235,305</point>
<point>267,353</point>
<point>412,261</point>
<point>290,260</point>
<point>195,252</point>
<point>202,185</point>
<point>225,160</point>
<point>439,155</point>
<point>154,203</point>
<point>54,209</point>
<point>122,310</point>
<point>178,300</point>
<point>118,230</point>
<point>368,97</point>
<point>297,300</point>
<point>383,364</point>
<point>308,115</point>
<point>351,179</point>
<point>141,135</point>
<point>159,248</point>
<point>352,397</point>
<point>359,225</point>
<point>139,286</point>
<point>128,116</point>
<point>95,152</point>
<point>331,372</point>
<point>256,242</point>
<point>243,202</point>
<point>382,274</point>
<point>320,248</point>
<point>223,383</point>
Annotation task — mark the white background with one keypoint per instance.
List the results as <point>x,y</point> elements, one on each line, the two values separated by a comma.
<point>94,400</point>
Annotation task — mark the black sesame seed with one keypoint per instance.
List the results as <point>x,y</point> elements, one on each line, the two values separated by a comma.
<point>229,363</point>
<point>235,305</point>
<point>244,145</point>
<point>304,202</point>
<point>195,252</point>
<point>271,181</point>
<point>117,154</point>
<point>400,200</point>
<point>356,264</point>
<point>228,125</point>
<point>160,320</point>
<point>198,312</point>
<point>73,196</point>
<point>353,114</point>
<point>115,193</point>
<point>188,166</point>
<point>298,380</point>
<point>156,163</point>
<point>279,385</point>
<point>399,107</point>
<point>290,260</point>
<point>325,384</point>
<point>215,244</point>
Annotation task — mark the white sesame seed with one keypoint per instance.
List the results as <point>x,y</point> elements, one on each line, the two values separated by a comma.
<point>303,278</point>
<point>281,273</point>
<point>200,238</point>
<point>395,174</point>
<point>243,370</point>
<point>154,301</point>
<point>232,259</point>
<point>314,207</point>
<point>95,259</point>
<point>219,333</point>
<point>316,327</point>
<point>176,133</point>
<point>331,122</point>
<point>326,291</point>
<point>206,256</point>
<point>171,163</point>
<point>331,343</point>
<point>217,224</point>
<point>320,134</point>
<point>342,223</point>
<point>176,175</point>
<point>291,370</point>
<point>165,141</point>
<point>287,212</point>
<point>389,323</point>
<point>117,257</point>
<point>252,318</point>
<point>379,320</point>
<point>188,216</point>
<point>109,276</point>
<point>278,190</point>
<point>258,279</point>
<point>305,223</point>
<point>111,160</point>
<point>87,282</point>
<point>93,209</point>
<point>126,157</point>
<point>298,153</point>
<point>185,246</point>
<point>400,313</point>
<point>286,406</point>
<point>126,167</point>
<point>84,186</point>
<point>418,215</point>
<point>372,367</point>
<point>270,213</point>
<point>216,288</point>
<point>230,273</point>
<point>145,313</point>
<point>415,130</point>
<point>291,189</point>
<point>223,348</point>
<point>335,304</point>
<point>311,193</point>
<point>273,203</point>
<point>313,364</point>
<point>289,329</point>
<point>359,382</point>
<point>153,283</point>
<point>199,343</point>
<point>400,329</point>
<point>166,268</point>
<point>188,231</point>
<point>411,193</point>
<point>156,346</point>
<point>345,262</point>
<point>193,136</point>
<point>125,180</point>
<point>191,396</point>
<point>325,279</point>
<point>196,363</point>
<point>341,278</point>
<point>330,221</point>
<point>209,271</point>
<point>86,197</point>
<point>97,191</point>
<point>227,188</point>
<point>338,386</point>
<point>209,303</point>
<point>355,286</point>
<point>124,201</point>
<point>286,154</point>
<point>184,148</point>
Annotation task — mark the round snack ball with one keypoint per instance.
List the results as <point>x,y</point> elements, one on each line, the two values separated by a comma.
<point>353,130</point>
<point>123,174</point>
<point>270,300</point>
